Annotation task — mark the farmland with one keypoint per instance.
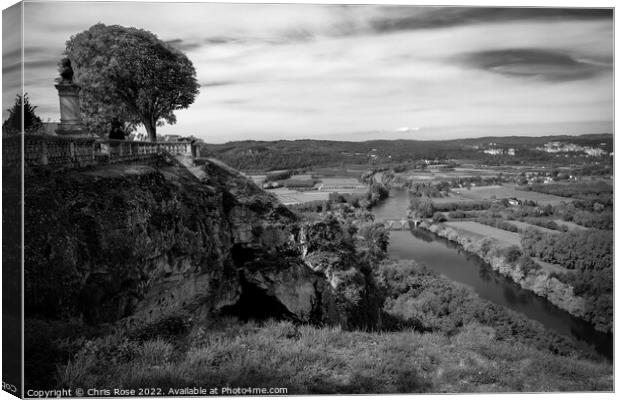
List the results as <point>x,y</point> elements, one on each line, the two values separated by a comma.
<point>524,225</point>
<point>287,196</point>
<point>509,191</point>
<point>570,225</point>
<point>505,237</point>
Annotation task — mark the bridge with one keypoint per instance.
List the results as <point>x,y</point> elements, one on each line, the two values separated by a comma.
<point>400,224</point>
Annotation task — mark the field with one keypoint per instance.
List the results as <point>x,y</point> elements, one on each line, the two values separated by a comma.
<point>570,225</point>
<point>505,237</point>
<point>453,198</point>
<point>434,174</point>
<point>288,196</point>
<point>548,267</point>
<point>349,171</point>
<point>524,225</point>
<point>341,185</point>
<point>257,178</point>
<point>508,191</point>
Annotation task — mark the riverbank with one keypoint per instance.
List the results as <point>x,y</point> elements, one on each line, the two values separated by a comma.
<point>537,280</point>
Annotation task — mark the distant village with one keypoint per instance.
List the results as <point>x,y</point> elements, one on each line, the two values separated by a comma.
<point>549,147</point>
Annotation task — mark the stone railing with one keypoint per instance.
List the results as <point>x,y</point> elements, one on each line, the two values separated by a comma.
<point>79,152</point>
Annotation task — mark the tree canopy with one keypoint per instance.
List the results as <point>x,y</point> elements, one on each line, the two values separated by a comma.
<point>130,74</point>
<point>13,124</point>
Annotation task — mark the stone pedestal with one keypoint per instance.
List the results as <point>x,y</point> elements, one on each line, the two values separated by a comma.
<point>70,117</point>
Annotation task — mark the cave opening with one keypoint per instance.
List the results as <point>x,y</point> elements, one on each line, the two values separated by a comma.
<point>242,254</point>
<point>256,304</point>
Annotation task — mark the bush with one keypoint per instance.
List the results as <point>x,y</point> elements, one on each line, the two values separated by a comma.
<point>278,176</point>
<point>439,217</point>
<point>528,266</point>
<point>169,326</point>
<point>498,223</point>
<point>512,254</point>
<point>155,352</point>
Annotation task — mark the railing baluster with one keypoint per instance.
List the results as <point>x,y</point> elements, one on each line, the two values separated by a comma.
<point>58,151</point>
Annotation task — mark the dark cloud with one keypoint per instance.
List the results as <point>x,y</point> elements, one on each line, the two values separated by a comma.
<point>410,18</point>
<point>538,63</point>
<point>43,64</point>
<point>183,45</point>
<point>284,37</point>
<point>297,35</point>
<point>221,40</point>
<point>11,68</point>
<point>15,54</point>
<point>216,83</point>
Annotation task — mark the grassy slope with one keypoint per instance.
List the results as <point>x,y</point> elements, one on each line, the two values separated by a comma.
<point>308,359</point>
<point>452,351</point>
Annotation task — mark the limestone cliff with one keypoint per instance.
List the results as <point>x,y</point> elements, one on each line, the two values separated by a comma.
<point>142,241</point>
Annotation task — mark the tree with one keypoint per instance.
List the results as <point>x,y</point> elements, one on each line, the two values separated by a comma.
<point>13,124</point>
<point>378,192</point>
<point>422,207</point>
<point>131,74</point>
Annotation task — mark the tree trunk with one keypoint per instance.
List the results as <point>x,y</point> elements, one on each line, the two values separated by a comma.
<point>151,130</point>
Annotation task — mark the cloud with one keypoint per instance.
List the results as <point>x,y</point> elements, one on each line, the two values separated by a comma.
<point>406,129</point>
<point>550,65</point>
<point>411,18</point>
<point>183,45</point>
<point>216,83</point>
<point>272,71</point>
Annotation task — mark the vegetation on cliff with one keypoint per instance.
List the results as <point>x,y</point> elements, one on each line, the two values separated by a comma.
<point>448,340</point>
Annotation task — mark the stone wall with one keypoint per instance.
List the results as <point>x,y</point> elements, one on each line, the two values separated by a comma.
<point>78,152</point>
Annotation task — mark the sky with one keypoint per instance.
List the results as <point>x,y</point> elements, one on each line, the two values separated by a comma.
<point>291,71</point>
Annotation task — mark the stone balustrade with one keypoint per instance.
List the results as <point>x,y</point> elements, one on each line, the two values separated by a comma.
<point>78,152</point>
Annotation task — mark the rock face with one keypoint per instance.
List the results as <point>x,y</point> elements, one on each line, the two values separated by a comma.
<point>144,241</point>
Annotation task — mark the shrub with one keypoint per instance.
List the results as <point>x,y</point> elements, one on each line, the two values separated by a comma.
<point>155,352</point>
<point>512,254</point>
<point>457,214</point>
<point>168,326</point>
<point>278,176</point>
<point>439,217</point>
<point>528,266</point>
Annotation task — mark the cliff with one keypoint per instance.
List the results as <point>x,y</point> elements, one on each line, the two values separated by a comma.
<point>139,242</point>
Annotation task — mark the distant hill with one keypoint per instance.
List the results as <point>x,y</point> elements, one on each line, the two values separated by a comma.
<point>285,154</point>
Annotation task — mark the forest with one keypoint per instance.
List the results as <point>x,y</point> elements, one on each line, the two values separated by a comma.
<point>588,256</point>
<point>419,298</point>
<point>292,154</point>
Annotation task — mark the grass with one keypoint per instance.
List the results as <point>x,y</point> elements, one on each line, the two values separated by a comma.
<point>524,225</point>
<point>348,171</point>
<point>508,191</point>
<point>570,225</point>
<point>434,174</point>
<point>505,237</point>
<point>288,196</point>
<point>311,360</point>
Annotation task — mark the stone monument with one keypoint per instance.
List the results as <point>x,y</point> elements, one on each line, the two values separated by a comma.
<point>68,92</point>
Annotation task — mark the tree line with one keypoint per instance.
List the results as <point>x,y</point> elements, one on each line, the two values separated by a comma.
<point>588,255</point>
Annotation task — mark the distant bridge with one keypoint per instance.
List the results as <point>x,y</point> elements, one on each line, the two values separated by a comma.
<point>400,224</point>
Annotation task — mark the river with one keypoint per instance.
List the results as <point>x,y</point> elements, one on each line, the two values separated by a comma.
<point>449,260</point>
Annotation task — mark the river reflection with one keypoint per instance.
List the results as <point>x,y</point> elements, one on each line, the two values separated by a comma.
<point>448,259</point>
